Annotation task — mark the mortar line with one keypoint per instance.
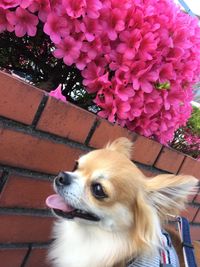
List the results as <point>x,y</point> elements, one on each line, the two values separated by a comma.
<point>3,180</point>
<point>184,159</point>
<point>26,212</point>
<point>23,264</point>
<point>39,111</point>
<point>26,172</point>
<point>156,159</point>
<point>25,245</point>
<point>92,130</point>
<point>16,126</point>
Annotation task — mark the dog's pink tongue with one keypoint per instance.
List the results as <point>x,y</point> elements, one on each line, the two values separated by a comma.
<point>56,202</point>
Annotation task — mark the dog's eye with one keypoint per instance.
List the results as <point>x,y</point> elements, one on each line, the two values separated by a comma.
<point>75,166</point>
<point>98,191</point>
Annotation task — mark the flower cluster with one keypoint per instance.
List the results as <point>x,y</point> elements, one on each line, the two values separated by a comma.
<point>141,58</point>
<point>187,141</point>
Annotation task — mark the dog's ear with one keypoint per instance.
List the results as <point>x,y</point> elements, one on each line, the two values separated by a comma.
<point>168,193</point>
<point>122,145</point>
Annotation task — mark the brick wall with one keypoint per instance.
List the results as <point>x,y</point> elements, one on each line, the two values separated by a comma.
<point>39,136</point>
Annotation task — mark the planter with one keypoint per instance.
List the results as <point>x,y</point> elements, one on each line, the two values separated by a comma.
<point>39,136</point>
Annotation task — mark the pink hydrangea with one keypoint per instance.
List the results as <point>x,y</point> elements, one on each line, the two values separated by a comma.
<point>23,22</point>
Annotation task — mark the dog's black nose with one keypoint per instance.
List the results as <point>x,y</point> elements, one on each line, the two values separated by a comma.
<point>63,179</point>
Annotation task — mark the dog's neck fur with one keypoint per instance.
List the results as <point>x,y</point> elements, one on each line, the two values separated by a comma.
<point>89,245</point>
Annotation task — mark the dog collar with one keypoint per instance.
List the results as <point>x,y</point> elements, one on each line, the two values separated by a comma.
<point>167,256</point>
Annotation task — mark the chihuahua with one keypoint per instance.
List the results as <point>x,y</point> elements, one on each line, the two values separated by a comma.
<point>108,211</point>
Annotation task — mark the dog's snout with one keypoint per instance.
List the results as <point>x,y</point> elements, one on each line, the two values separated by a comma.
<point>63,179</point>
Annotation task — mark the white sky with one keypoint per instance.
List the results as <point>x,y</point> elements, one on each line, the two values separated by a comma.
<point>194,5</point>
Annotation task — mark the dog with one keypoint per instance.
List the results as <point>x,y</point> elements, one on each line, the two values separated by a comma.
<point>109,213</point>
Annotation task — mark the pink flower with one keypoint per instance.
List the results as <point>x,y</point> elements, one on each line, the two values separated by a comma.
<point>56,27</point>
<point>113,22</point>
<point>90,28</point>
<point>74,8</point>
<point>4,23</point>
<point>5,4</point>
<point>105,100</point>
<point>26,3</point>
<point>56,7</point>
<point>143,77</point>
<point>94,78</point>
<point>122,75</point>
<point>57,93</point>
<point>152,103</point>
<point>82,61</point>
<point>123,107</point>
<point>92,49</point>
<point>147,46</point>
<point>68,49</point>
<point>98,83</point>
<point>166,73</point>
<point>23,22</point>
<point>43,8</point>
<point>92,8</point>
<point>136,110</point>
<point>130,42</point>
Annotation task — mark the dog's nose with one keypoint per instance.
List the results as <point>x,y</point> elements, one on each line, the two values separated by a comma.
<point>63,179</point>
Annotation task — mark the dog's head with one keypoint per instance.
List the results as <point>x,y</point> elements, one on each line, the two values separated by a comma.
<point>108,190</point>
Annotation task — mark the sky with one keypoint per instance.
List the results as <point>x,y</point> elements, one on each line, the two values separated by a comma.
<point>194,5</point>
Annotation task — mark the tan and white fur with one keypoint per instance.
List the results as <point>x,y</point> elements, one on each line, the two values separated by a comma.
<point>131,214</point>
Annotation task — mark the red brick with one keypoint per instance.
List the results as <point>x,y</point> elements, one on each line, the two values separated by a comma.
<point>19,101</point>
<point>23,228</point>
<point>189,213</point>
<point>26,151</point>
<point>195,232</point>
<point>38,258</point>
<point>191,166</point>
<point>25,192</point>
<point>106,132</point>
<point>169,160</point>
<point>197,218</point>
<point>66,120</point>
<point>12,257</point>
<point>145,150</point>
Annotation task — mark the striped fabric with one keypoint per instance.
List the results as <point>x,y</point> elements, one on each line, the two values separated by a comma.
<point>155,261</point>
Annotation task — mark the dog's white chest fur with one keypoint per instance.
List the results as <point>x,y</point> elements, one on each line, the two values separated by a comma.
<point>79,245</point>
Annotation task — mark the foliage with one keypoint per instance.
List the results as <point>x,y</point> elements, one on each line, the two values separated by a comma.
<point>136,59</point>
<point>194,121</point>
<point>187,139</point>
<point>32,58</point>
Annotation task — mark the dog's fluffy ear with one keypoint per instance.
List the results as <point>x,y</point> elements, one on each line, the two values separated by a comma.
<point>122,145</point>
<point>168,193</point>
